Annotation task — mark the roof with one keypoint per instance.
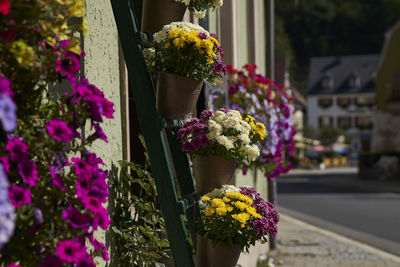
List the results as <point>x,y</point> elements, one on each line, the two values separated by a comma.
<point>340,69</point>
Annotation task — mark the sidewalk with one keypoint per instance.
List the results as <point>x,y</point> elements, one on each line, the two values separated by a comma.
<point>304,245</point>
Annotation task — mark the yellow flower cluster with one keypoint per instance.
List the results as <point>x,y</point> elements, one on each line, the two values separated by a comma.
<point>231,200</point>
<point>181,37</point>
<point>256,128</point>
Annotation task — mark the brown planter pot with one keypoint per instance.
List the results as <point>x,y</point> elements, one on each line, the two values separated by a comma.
<point>212,172</point>
<point>176,96</point>
<point>208,255</point>
<point>157,13</point>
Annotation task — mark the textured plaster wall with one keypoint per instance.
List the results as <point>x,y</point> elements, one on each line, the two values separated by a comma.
<point>262,66</point>
<point>243,24</point>
<point>102,69</point>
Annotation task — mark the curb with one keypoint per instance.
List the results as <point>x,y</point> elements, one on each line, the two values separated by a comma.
<point>339,237</point>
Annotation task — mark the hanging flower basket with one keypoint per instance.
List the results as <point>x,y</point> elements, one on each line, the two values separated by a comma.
<point>176,96</point>
<point>183,55</point>
<point>213,172</point>
<point>157,13</point>
<point>231,220</point>
<point>209,255</point>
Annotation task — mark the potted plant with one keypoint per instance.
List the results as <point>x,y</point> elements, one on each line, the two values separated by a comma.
<point>231,220</point>
<point>184,55</point>
<point>157,13</point>
<point>270,103</point>
<point>217,141</point>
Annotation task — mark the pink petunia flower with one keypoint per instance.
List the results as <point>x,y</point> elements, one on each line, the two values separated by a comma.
<point>59,130</point>
<point>28,171</point>
<point>17,148</point>
<point>19,196</point>
<point>70,251</point>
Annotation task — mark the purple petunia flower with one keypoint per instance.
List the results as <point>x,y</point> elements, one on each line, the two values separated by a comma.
<point>51,261</point>
<point>5,86</point>
<point>70,251</point>
<point>57,179</point>
<point>99,133</point>
<point>28,171</point>
<point>8,115</point>
<point>59,130</point>
<point>17,148</point>
<point>19,196</point>
<point>77,219</point>
<point>69,65</point>
<point>7,215</point>
<point>38,216</point>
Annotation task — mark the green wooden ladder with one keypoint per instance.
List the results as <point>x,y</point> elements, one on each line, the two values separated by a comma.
<point>160,138</point>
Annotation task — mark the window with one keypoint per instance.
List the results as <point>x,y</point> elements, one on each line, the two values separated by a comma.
<point>325,102</point>
<point>364,122</point>
<point>343,101</point>
<point>325,120</point>
<point>361,101</point>
<point>327,81</point>
<point>344,122</point>
<point>354,81</point>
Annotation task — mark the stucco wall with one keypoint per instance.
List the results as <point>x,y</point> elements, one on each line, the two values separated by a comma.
<point>102,69</point>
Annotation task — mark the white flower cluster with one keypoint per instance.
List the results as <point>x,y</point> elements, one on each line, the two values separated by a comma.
<point>163,34</point>
<point>149,55</point>
<point>220,122</point>
<point>201,13</point>
<point>220,192</point>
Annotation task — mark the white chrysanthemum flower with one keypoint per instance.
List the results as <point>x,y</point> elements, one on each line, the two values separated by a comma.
<point>244,138</point>
<point>212,135</point>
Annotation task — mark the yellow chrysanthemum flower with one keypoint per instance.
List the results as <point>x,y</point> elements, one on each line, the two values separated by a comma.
<point>210,61</point>
<point>210,211</point>
<point>241,217</point>
<point>205,198</point>
<point>240,205</point>
<point>167,45</point>
<point>179,43</point>
<point>229,208</point>
<point>220,211</point>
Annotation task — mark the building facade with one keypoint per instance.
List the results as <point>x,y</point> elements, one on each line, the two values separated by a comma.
<point>341,94</point>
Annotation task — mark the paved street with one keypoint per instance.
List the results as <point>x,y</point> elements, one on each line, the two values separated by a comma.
<point>366,216</point>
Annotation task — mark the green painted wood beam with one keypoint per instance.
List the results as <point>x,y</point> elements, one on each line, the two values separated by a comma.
<point>152,127</point>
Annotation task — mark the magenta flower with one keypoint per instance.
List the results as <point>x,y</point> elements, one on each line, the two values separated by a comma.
<point>81,167</point>
<point>69,65</point>
<point>57,179</point>
<point>70,251</point>
<point>59,130</point>
<point>28,171</point>
<point>99,133</point>
<point>5,163</point>
<point>19,196</point>
<point>5,86</point>
<point>14,265</point>
<point>77,219</point>
<point>51,261</point>
<point>17,148</point>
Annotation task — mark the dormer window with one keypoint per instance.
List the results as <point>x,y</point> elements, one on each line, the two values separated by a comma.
<point>327,81</point>
<point>354,81</point>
